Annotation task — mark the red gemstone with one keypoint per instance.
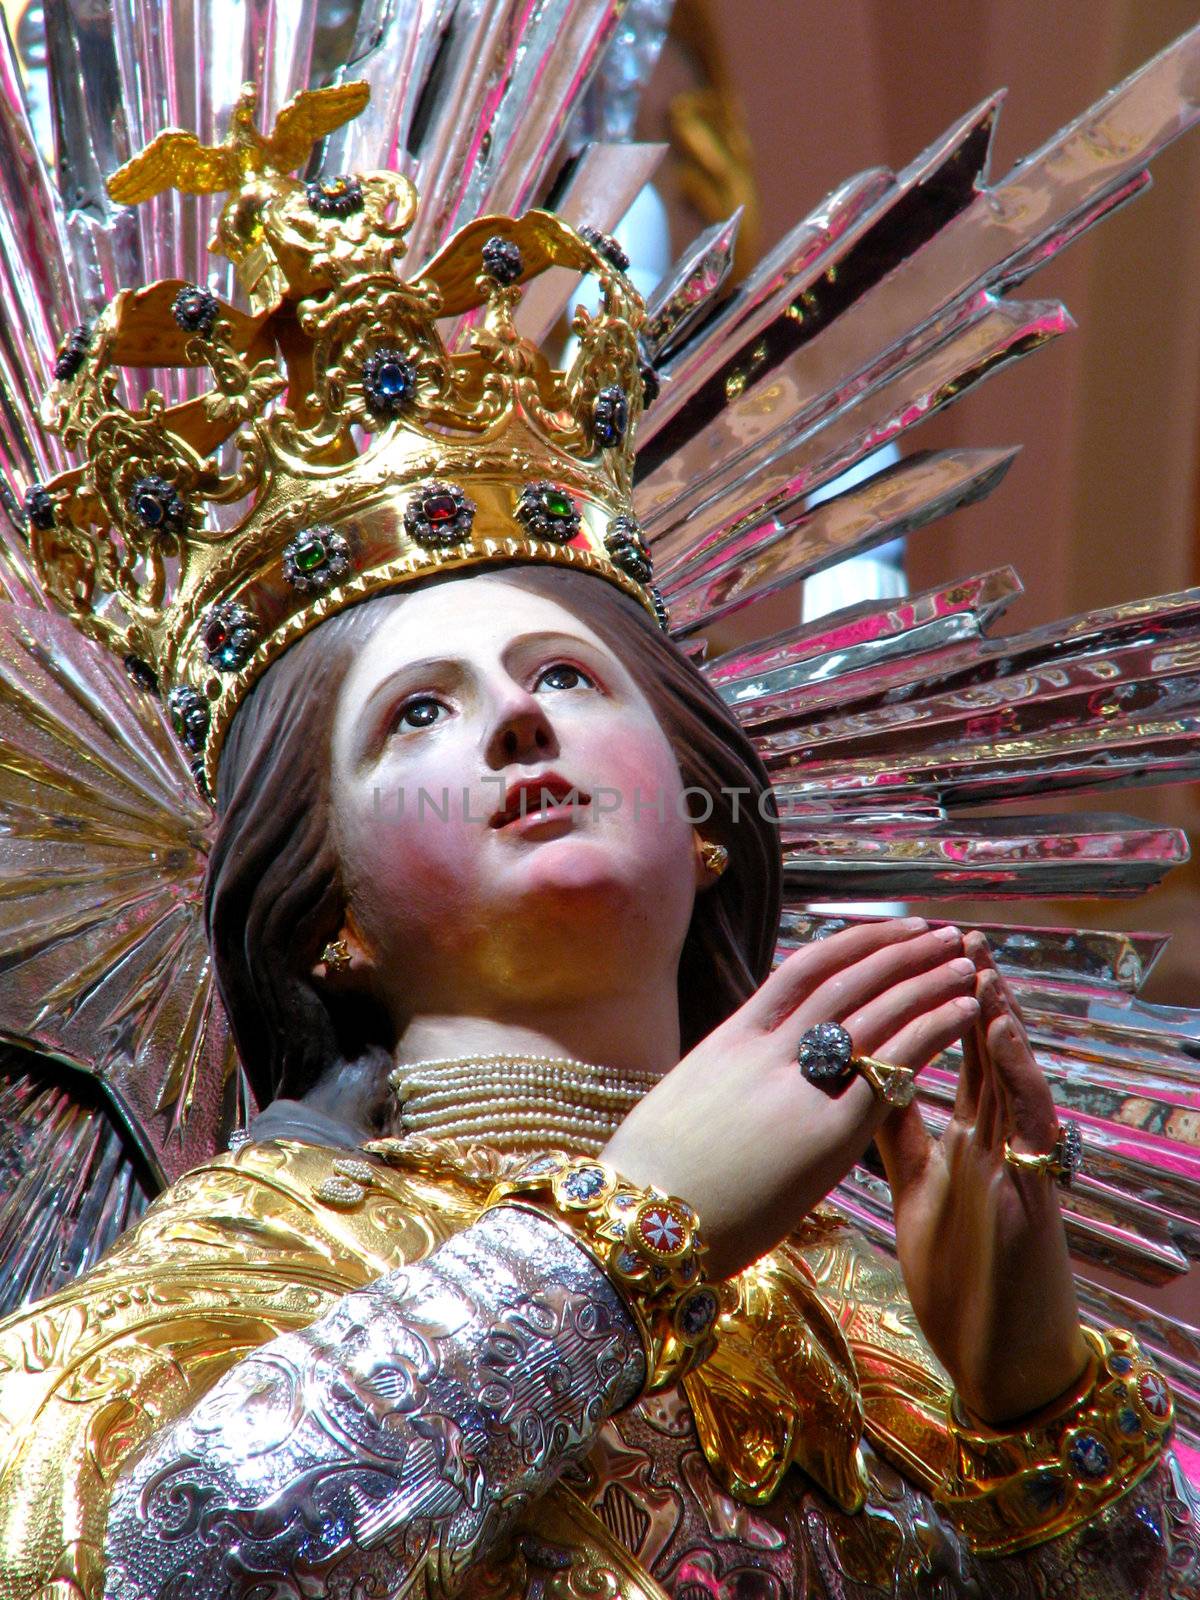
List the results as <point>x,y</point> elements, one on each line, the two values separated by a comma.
<point>439,508</point>
<point>216,634</point>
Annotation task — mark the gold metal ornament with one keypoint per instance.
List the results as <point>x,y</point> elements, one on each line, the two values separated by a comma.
<point>262,1243</point>
<point>895,1085</point>
<point>336,956</point>
<point>202,539</point>
<point>1061,1162</point>
<point>648,1242</point>
<point>715,856</point>
<point>1058,1469</point>
<point>177,160</point>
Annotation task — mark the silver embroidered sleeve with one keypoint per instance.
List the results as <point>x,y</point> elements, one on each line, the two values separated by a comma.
<point>409,1426</point>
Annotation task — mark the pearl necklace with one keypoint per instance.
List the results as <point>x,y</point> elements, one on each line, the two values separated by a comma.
<point>517,1102</point>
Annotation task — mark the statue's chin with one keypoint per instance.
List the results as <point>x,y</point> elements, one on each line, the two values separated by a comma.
<point>559,857</point>
<point>569,932</point>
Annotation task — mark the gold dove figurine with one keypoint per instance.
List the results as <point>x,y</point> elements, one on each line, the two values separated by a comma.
<point>177,160</point>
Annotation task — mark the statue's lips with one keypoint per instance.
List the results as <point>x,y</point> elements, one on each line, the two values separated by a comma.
<point>549,796</point>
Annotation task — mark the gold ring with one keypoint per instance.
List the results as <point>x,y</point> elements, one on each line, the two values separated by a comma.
<point>896,1085</point>
<point>1061,1163</point>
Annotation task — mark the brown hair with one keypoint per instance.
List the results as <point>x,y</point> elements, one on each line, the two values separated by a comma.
<point>273,895</point>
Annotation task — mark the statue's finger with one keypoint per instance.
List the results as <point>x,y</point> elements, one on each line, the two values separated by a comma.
<point>1029,1118</point>
<point>970,1078</point>
<point>800,974</point>
<point>990,1117</point>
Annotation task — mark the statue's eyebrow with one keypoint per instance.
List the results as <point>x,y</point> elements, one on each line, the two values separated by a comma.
<point>426,664</point>
<point>370,727</point>
<point>551,636</point>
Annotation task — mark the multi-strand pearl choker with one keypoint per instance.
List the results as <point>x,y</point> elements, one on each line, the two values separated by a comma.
<point>517,1102</point>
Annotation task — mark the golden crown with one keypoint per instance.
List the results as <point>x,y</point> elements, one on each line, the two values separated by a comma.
<point>346,444</point>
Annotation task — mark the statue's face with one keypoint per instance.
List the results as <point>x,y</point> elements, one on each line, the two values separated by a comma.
<point>463,691</point>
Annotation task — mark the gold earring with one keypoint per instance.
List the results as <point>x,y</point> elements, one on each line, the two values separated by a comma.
<point>336,956</point>
<point>715,856</point>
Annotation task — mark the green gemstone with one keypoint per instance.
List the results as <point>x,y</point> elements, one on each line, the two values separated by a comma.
<point>309,555</point>
<point>558,504</point>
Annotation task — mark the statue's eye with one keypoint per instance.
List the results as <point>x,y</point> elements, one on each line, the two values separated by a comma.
<point>562,675</point>
<point>422,712</point>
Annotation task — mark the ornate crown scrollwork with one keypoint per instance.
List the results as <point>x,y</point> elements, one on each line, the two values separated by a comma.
<point>345,442</point>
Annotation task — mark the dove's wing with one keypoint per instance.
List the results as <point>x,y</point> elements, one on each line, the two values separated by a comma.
<point>309,117</point>
<point>175,160</point>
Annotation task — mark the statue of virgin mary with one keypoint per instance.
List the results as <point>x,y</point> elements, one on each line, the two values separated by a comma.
<point>543,1223</point>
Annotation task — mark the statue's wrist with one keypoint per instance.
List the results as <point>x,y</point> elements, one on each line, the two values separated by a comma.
<point>1045,1387</point>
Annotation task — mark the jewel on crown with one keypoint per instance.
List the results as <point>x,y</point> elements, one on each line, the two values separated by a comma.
<point>359,429</point>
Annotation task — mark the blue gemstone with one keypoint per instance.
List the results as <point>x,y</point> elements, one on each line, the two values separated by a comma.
<point>392,381</point>
<point>610,416</point>
<point>1045,1490</point>
<point>698,1314</point>
<point>1089,1456</point>
<point>1120,1364</point>
<point>156,504</point>
<point>389,382</point>
<point>1128,1420</point>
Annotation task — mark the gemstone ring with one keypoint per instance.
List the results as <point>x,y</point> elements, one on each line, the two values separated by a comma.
<point>827,1059</point>
<point>1061,1163</point>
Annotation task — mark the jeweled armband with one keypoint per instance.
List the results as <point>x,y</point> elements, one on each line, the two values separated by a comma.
<point>647,1242</point>
<point>1009,1489</point>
